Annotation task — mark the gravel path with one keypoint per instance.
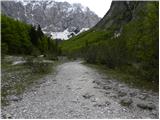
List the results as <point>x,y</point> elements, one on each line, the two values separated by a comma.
<point>77,91</point>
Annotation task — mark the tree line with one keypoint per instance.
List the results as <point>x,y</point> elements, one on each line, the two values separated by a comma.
<point>21,38</point>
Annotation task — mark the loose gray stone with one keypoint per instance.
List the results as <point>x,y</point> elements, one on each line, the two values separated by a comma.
<point>102,104</point>
<point>13,98</point>
<point>98,83</point>
<point>97,87</point>
<point>7,116</point>
<point>143,96</point>
<point>144,105</point>
<point>122,93</point>
<point>106,87</point>
<point>126,101</point>
<point>154,112</point>
<point>133,94</point>
<point>87,96</point>
<point>94,81</point>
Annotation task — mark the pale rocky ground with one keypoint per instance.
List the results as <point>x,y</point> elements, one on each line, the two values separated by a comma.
<point>78,91</point>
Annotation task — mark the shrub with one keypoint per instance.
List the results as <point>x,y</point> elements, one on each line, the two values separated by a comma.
<point>38,66</point>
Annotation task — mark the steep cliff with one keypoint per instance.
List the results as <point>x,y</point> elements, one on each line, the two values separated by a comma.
<point>119,14</point>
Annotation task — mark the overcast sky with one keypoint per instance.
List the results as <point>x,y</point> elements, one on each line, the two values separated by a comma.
<point>100,7</point>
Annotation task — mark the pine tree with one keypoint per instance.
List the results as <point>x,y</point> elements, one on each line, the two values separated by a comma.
<point>33,35</point>
<point>39,32</point>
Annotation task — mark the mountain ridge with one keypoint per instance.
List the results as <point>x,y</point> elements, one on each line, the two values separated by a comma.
<point>52,16</point>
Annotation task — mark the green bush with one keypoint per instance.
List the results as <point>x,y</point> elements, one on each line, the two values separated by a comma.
<point>38,65</point>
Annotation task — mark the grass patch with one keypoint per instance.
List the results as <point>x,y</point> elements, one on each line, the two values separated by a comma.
<point>17,78</point>
<point>123,76</point>
<point>78,42</point>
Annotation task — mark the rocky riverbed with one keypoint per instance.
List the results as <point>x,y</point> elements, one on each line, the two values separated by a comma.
<point>78,91</point>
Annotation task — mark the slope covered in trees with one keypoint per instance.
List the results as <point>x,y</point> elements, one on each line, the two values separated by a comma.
<point>127,38</point>
<point>20,38</point>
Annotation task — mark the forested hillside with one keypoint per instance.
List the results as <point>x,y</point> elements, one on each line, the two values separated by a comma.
<point>127,39</point>
<point>19,38</point>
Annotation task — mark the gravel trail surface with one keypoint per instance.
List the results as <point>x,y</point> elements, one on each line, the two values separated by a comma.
<point>78,91</point>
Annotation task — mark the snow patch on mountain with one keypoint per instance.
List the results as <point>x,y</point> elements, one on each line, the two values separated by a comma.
<point>50,4</point>
<point>83,30</point>
<point>65,35</point>
<point>60,35</point>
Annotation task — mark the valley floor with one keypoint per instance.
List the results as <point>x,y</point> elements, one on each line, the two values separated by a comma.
<point>78,91</point>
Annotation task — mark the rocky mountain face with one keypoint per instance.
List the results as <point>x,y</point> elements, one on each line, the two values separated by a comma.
<point>120,13</point>
<point>51,15</point>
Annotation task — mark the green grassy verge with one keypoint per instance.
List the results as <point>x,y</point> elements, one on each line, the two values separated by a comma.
<point>126,77</point>
<point>78,42</point>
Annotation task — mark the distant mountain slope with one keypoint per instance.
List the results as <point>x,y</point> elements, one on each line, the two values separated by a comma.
<point>119,14</point>
<point>52,16</point>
